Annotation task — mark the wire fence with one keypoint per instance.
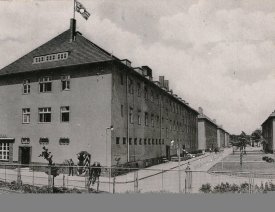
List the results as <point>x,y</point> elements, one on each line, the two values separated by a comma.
<point>125,180</point>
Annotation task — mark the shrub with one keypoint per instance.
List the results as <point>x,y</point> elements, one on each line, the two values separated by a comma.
<point>206,188</point>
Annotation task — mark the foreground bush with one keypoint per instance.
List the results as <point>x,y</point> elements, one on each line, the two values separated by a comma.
<point>26,188</point>
<point>234,188</point>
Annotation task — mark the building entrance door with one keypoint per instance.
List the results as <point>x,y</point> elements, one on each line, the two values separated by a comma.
<point>25,155</point>
<point>168,152</point>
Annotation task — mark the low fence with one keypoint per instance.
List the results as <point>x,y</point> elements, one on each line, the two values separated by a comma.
<point>112,180</point>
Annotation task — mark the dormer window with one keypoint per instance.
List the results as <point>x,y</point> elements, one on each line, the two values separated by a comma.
<point>51,57</point>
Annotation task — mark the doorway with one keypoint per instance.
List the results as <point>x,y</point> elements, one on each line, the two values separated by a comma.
<point>167,152</point>
<point>25,155</point>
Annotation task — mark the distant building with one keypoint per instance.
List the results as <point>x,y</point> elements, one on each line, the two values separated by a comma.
<point>227,139</point>
<point>268,129</point>
<point>221,137</point>
<point>70,95</point>
<point>207,132</point>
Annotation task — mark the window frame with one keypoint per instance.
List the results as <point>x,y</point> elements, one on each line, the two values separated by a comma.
<point>26,86</point>
<point>26,114</point>
<point>49,111</point>
<point>43,82</point>
<point>65,112</point>
<point>4,151</point>
<point>67,80</point>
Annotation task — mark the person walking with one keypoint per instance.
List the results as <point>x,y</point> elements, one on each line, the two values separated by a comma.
<point>71,167</point>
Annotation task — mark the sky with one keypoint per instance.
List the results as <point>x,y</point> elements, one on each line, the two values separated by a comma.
<point>216,54</point>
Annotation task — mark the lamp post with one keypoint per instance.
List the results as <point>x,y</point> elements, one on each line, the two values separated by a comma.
<point>178,152</point>
<point>108,128</point>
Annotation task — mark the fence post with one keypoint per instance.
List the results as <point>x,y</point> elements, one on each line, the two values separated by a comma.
<point>114,184</point>
<point>19,181</point>
<point>162,180</point>
<point>188,178</point>
<point>97,187</point>
<point>50,178</point>
<point>87,181</point>
<point>5,173</point>
<point>136,181</point>
<point>63,180</point>
<point>110,180</point>
<point>33,175</point>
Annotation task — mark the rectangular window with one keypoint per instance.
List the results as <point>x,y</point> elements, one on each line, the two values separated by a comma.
<point>152,120</point>
<point>131,116</point>
<point>135,141</point>
<point>121,79</point>
<point>26,115</point>
<point>159,141</point>
<point>149,141</point>
<point>65,114</point>
<point>138,89</point>
<point>152,96</point>
<point>146,119</point>
<point>45,84</point>
<point>121,110</point>
<point>153,141</point>
<point>26,87</point>
<point>117,140</point>
<point>130,141</point>
<point>157,121</point>
<point>140,141</point>
<point>145,92</point>
<point>64,141</point>
<point>131,86</point>
<point>124,140</point>
<point>145,141</point>
<point>25,140</point>
<point>44,141</point>
<point>65,83</point>
<point>45,114</point>
<point>4,151</point>
<point>139,118</point>
<point>162,141</point>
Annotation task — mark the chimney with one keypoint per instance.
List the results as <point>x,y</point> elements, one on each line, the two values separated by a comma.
<point>161,81</point>
<point>126,62</point>
<point>200,110</point>
<point>166,84</point>
<point>139,70</point>
<point>72,29</point>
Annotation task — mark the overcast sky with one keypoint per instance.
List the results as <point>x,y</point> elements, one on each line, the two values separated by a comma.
<point>217,54</point>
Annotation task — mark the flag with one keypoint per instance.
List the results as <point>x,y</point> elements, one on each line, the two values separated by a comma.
<point>82,10</point>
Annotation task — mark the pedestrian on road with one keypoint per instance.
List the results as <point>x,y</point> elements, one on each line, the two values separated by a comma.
<point>71,167</point>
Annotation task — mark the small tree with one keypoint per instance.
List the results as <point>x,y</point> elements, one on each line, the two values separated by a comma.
<point>256,137</point>
<point>240,142</point>
<point>53,169</point>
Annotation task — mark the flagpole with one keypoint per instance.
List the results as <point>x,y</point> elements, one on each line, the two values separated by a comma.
<point>74,9</point>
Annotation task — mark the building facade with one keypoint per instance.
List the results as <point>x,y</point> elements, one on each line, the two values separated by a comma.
<point>71,95</point>
<point>207,132</point>
<point>268,128</point>
<point>221,137</point>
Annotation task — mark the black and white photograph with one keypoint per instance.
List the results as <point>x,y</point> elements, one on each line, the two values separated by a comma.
<point>137,96</point>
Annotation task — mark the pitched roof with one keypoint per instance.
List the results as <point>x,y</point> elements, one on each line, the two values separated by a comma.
<point>272,115</point>
<point>81,51</point>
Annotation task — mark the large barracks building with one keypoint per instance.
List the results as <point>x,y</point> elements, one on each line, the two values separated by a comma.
<point>71,95</point>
